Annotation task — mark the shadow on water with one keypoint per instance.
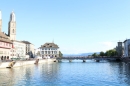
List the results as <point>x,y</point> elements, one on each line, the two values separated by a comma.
<point>123,70</point>
<point>126,72</point>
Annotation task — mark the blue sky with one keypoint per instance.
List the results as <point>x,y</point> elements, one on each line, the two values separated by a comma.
<point>77,26</point>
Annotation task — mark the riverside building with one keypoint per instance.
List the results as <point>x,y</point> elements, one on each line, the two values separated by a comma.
<point>9,46</point>
<point>29,49</point>
<point>49,50</point>
<point>127,48</point>
<point>18,49</point>
<point>119,49</point>
<point>5,43</point>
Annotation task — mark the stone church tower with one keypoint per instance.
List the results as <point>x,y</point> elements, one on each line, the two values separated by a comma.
<point>12,27</point>
<point>0,21</point>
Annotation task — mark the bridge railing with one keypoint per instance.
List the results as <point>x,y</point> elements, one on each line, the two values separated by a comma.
<point>89,57</point>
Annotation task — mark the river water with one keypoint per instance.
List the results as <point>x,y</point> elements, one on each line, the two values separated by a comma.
<point>75,73</point>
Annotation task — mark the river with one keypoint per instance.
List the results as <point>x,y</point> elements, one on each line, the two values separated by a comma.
<point>65,73</point>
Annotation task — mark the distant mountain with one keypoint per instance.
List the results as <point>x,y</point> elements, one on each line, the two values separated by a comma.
<point>81,54</point>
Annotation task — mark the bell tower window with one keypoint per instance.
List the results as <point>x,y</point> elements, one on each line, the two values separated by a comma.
<point>13,30</point>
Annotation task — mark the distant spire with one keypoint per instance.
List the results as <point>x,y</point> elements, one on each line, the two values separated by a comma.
<point>0,15</point>
<point>12,16</point>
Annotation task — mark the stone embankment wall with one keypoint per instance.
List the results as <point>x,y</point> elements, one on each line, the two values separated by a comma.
<point>22,63</point>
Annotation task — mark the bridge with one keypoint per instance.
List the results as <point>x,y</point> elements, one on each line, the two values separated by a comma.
<point>97,59</point>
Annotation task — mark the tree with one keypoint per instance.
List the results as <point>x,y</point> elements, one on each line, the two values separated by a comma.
<point>111,52</point>
<point>95,54</point>
<point>102,53</point>
<point>60,54</point>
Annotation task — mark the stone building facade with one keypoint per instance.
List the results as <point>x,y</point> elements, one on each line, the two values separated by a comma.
<point>127,48</point>
<point>5,43</point>
<point>5,46</point>
<point>29,50</point>
<point>50,50</point>
<point>12,27</point>
<point>119,49</point>
<point>18,49</point>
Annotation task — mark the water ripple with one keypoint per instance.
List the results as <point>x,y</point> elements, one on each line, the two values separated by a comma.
<point>68,74</point>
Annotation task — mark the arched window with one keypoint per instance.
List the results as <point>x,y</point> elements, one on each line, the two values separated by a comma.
<point>13,30</point>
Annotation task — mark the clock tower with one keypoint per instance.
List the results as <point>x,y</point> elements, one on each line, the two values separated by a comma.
<point>12,27</point>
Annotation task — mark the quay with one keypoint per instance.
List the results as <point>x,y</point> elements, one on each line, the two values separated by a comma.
<point>17,63</point>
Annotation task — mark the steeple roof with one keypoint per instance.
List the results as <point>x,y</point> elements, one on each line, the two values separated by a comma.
<point>12,16</point>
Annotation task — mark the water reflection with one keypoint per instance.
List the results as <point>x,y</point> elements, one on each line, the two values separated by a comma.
<point>67,74</point>
<point>50,72</point>
<point>126,74</point>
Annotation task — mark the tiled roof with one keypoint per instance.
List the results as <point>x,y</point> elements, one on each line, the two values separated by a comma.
<point>27,42</point>
<point>17,41</point>
<point>49,45</point>
<point>4,38</point>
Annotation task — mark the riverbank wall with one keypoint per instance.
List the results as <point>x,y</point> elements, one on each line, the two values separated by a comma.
<point>23,63</point>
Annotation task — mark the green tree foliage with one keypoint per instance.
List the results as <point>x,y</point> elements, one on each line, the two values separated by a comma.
<point>60,54</point>
<point>111,52</point>
<point>95,54</point>
<point>102,53</point>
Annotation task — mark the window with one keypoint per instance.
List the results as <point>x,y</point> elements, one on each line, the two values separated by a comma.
<point>55,52</point>
<point>13,31</point>
<point>1,52</point>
